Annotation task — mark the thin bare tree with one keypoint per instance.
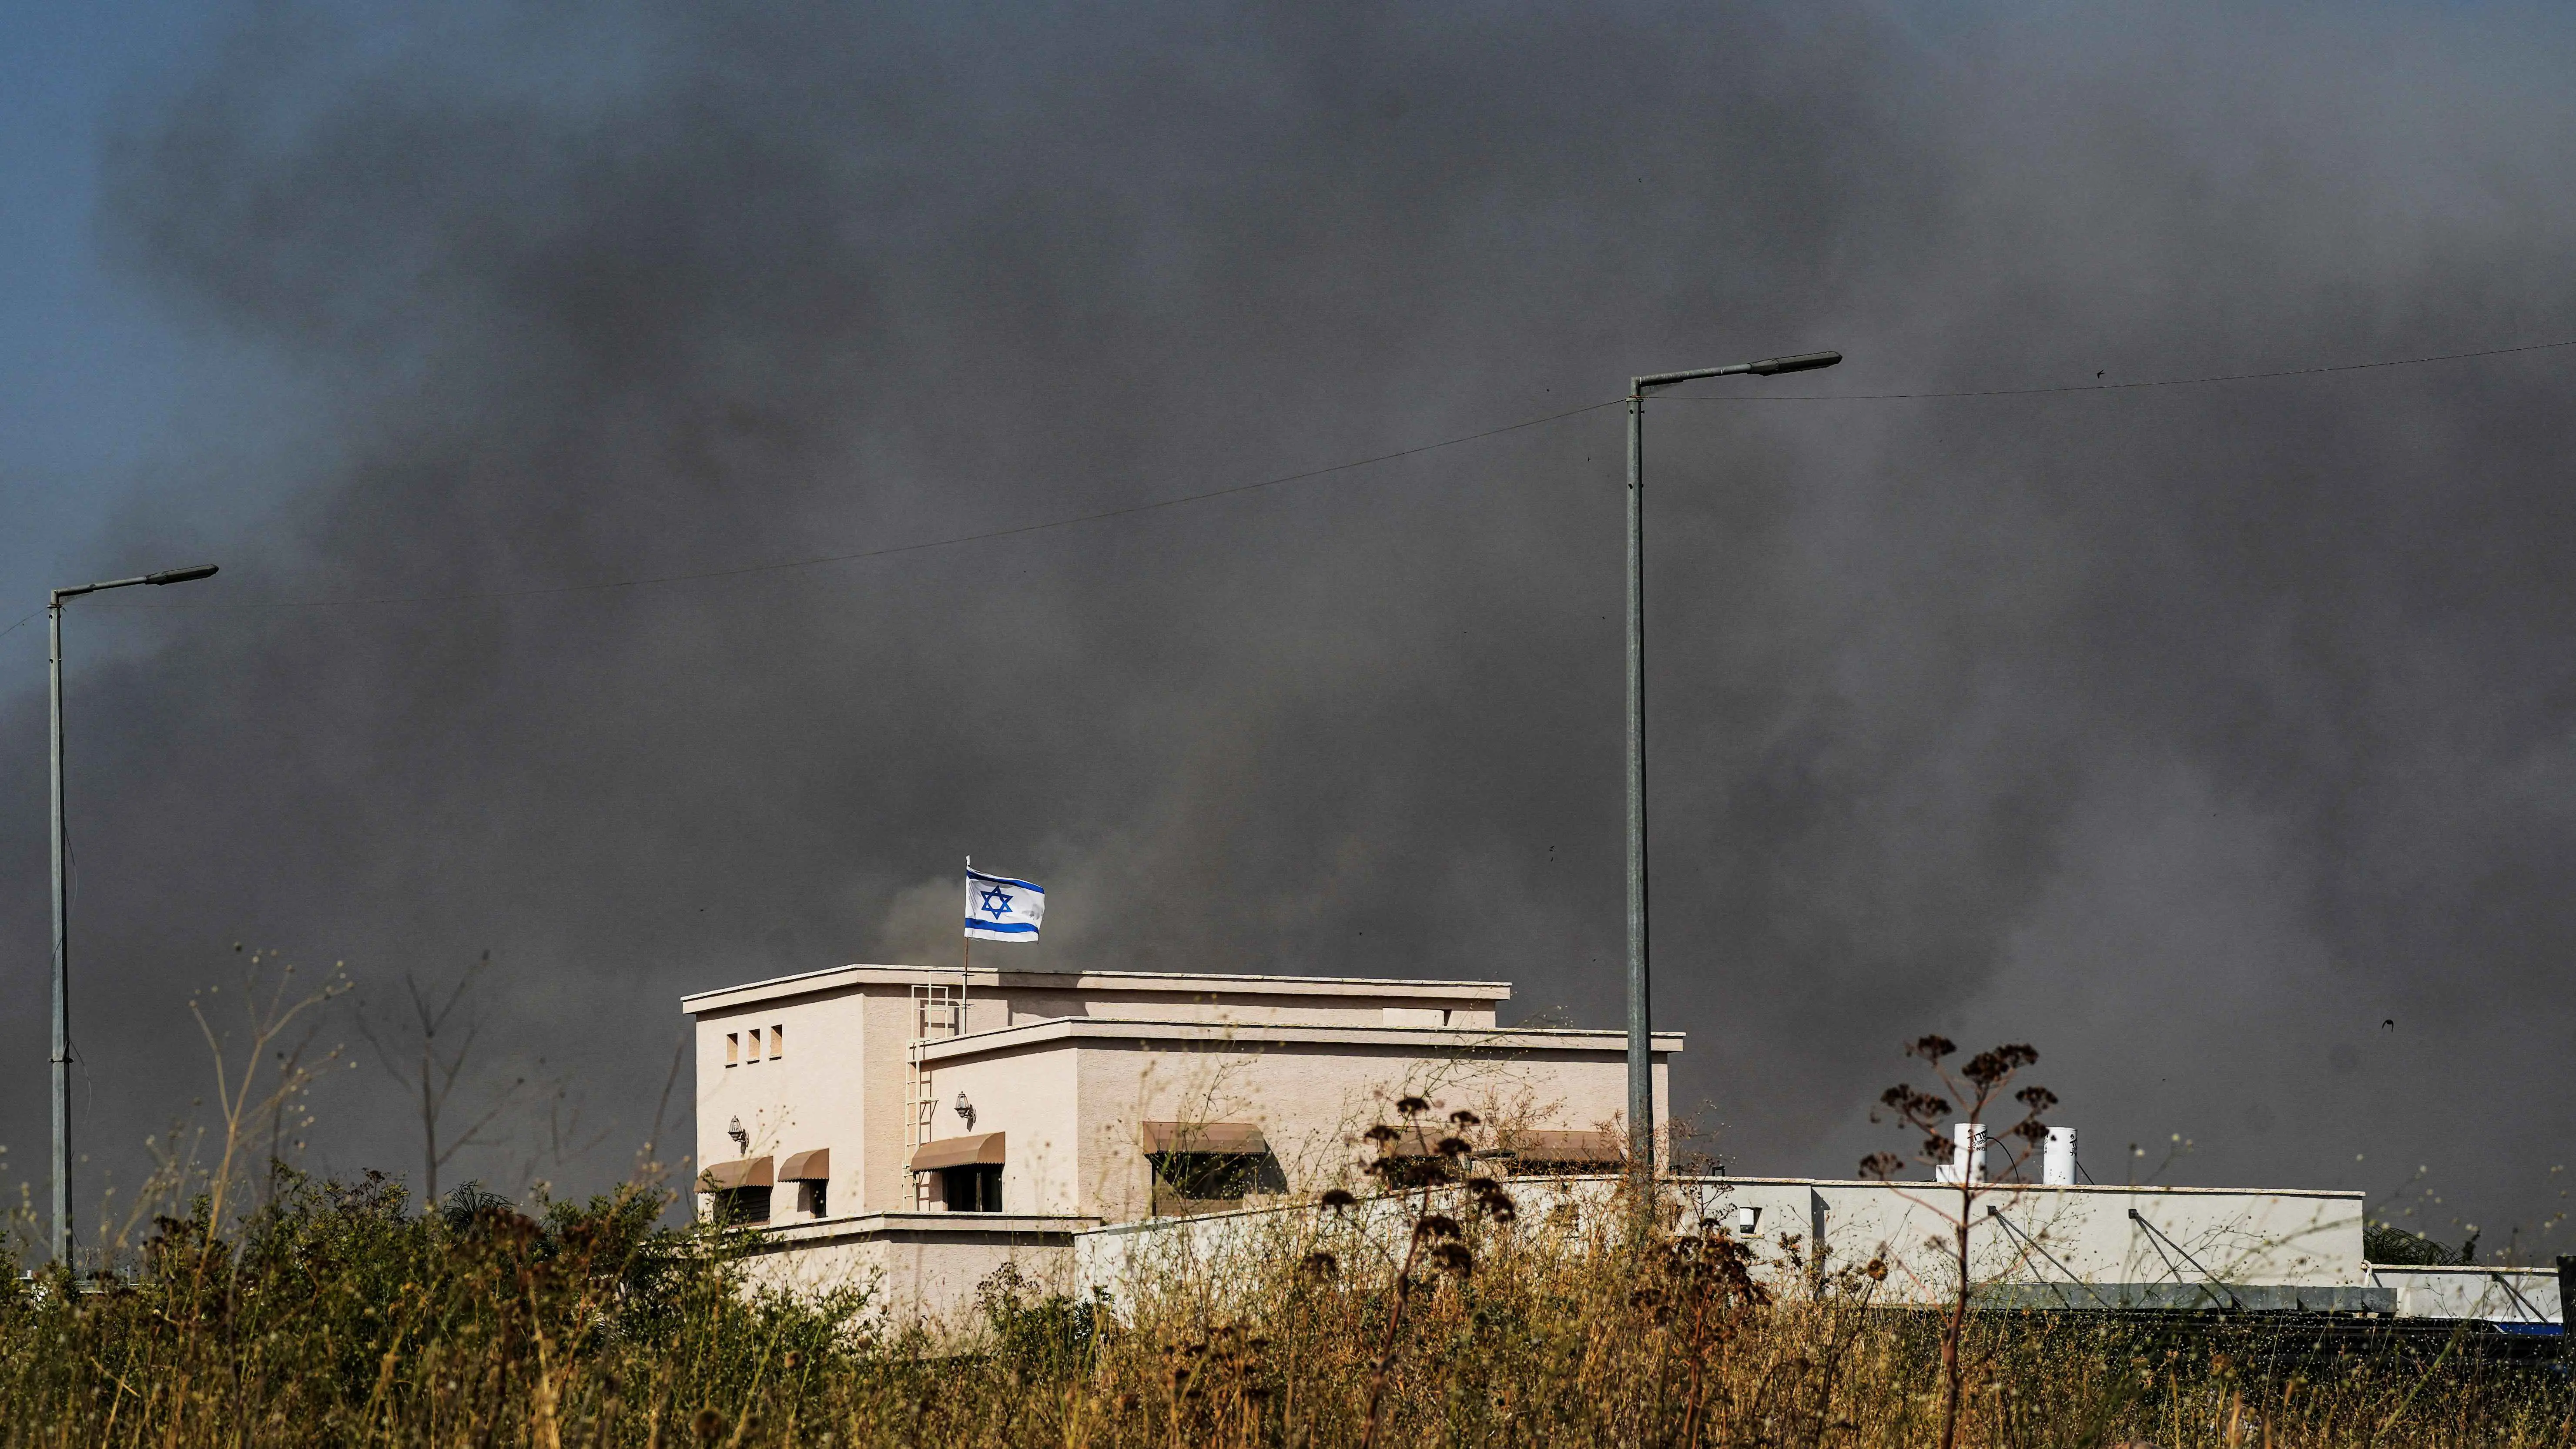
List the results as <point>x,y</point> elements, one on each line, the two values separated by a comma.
<point>1973,1091</point>
<point>429,1054</point>
<point>563,1138</point>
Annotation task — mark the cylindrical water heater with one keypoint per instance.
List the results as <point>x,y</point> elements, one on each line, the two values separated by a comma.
<point>2057,1164</point>
<point>1968,1152</point>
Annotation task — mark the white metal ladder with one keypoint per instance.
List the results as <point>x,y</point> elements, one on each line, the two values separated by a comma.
<point>935,1016</point>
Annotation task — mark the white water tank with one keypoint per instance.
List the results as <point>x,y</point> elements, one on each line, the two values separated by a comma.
<point>1967,1154</point>
<point>2057,1161</point>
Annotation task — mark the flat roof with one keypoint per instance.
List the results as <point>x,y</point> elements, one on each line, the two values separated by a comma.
<point>1169,983</point>
<point>1112,1030</point>
<point>2070,1189</point>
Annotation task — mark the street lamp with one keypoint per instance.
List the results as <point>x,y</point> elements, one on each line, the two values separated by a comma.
<point>62,907</point>
<point>1641,1070</point>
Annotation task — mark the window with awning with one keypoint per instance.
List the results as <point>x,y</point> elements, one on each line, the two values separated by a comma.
<point>1558,1150</point>
<point>973,1150</point>
<point>1208,1166</point>
<point>741,1172</point>
<point>1228,1137</point>
<point>969,1168</point>
<point>811,1173</point>
<point>740,1189</point>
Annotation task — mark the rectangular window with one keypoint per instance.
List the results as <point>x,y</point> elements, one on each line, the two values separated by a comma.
<point>810,1197</point>
<point>737,1205</point>
<point>754,1054</point>
<point>733,1047</point>
<point>1202,1182</point>
<point>777,1042</point>
<point>976,1188</point>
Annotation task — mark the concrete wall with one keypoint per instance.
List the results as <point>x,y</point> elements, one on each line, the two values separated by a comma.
<point>1031,1095</point>
<point>2497,1295</point>
<point>921,1268</point>
<point>2272,1250</point>
<point>2285,1240</point>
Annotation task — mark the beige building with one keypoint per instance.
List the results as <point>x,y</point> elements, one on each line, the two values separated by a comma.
<point>848,1095</point>
<point>898,1128</point>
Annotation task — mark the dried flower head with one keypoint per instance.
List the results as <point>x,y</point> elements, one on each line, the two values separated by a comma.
<point>1988,1069</point>
<point>708,1424</point>
<point>1453,1148</point>
<point>1876,1272</point>
<point>1320,1266</point>
<point>1491,1200</point>
<point>1381,1133</point>
<point>1412,1106</point>
<point>1463,1119</point>
<point>1336,1199</point>
<point>1436,1225</point>
<point>1453,1258</point>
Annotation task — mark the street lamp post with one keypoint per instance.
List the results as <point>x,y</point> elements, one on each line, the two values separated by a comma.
<point>62,1057</point>
<point>1641,1069</point>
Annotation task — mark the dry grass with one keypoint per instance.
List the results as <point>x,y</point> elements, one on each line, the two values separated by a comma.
<point>336,1315</point>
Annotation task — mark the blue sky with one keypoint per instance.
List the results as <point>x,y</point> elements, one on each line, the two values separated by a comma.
<point>88,372</point>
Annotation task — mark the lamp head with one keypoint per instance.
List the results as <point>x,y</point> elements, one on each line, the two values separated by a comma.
<point>181,576</point>
<point>1803,362</point>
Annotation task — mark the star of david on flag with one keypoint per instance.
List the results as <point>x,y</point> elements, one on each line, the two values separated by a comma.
<point>999,908</point>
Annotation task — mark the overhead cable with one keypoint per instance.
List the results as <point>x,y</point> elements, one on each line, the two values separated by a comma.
<point>986,535</point>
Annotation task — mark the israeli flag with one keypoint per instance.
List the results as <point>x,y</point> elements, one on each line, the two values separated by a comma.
<point>999,908</point>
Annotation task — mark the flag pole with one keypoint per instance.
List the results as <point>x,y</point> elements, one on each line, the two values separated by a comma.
<point>965,956</point>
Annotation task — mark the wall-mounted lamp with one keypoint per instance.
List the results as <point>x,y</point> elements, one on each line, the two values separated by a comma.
<point>741,1139</point>
<point>966,1111</point>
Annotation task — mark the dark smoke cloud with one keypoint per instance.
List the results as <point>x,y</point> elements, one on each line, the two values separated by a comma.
<point>2188,733</point>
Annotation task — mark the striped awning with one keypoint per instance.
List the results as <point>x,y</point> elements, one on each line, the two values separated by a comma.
<point>1235,1139</point>
<point>742,1172</point>
<point>979,1148</point>
<point>814,1166</point>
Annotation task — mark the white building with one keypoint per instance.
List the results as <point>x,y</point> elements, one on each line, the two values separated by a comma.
<point>868,1094</point>
<point>897,1125</point>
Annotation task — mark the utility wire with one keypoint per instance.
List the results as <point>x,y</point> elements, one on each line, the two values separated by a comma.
<point>892,549</point>
<point>955,540</point>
